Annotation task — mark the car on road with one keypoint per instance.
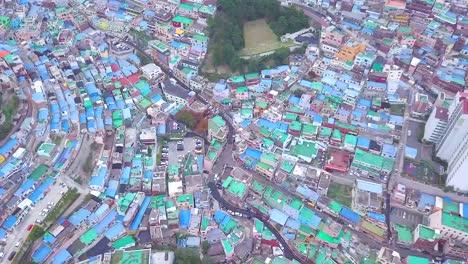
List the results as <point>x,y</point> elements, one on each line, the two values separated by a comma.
<point>51,203</point>
<point>2,255</point>
<point>29,227</point>
<point>18,244</point>
<point>12,255</point>
<point>62,192</point>
<point>38,221</point>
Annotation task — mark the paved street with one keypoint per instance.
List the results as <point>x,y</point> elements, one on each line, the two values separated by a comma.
<point>19,231</point>
<point>288,251</point>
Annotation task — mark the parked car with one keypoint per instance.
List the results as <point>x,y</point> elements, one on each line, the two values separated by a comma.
<point>12,255</point>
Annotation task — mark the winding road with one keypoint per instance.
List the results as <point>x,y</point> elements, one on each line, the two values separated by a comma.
<point>288,251</point>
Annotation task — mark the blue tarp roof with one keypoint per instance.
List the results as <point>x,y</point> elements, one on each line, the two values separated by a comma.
<point>376,216</point>
<point>219,216</point>
<point>8,146</point>
<point>61,257</point>
<point>48,238</point>
<point>350,215</point>
<point>253,153</point>
<point>278,216</point>
<point>307,193</point>
<point>136,222</point>
<point>426,200</point>
<point>363,142</point>
<point>39,192</point>
<point>112,188</point>
<point>3,233</point>
<point>10,221</point>
<point>27,184</point>
<point>41,253</point>
<point>369,186</point>
<point>294,224</point>
<point>105,222</point>
<point>98,180</point>
<point>114,231</point>
<point>79,216</point>
<point>184,218</point>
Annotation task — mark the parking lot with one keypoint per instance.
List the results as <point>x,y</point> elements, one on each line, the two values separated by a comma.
<point>406,217</point>
<point>55,193</point>
<point>175,155</point>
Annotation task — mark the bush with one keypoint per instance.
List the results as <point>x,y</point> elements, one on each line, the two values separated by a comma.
<point>62,205</point>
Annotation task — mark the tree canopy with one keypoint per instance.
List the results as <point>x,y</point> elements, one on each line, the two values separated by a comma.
<point>226,28</point>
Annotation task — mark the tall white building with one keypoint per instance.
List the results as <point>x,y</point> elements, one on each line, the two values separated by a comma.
<point>453,145</point>
<point>437,121</point>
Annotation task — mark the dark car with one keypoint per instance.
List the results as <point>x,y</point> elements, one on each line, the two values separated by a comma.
<point>12,255</point>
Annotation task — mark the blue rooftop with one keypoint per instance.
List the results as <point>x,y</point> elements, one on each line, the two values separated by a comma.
<point>79,216</point>
<point>114,231</point>
<point>141,212</point>
<point>10,221</point>
<point>62,257</point>
<point>41,253</point>
<point>184,218</point>
<point>350,215</point>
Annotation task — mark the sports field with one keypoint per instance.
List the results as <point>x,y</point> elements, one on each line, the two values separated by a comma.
<point>259,38</point>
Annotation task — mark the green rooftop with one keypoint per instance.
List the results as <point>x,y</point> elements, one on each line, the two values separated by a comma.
<point>235,187</point>
<point>427,233</point>
<point>295,125</point>
<point>242,89</point>
<point>325,131</point>
<point>451,207</point>
<point>45,149</point>
<point>185,198</point>
<point>88,237</point>
<point>309,129</point>
<point>258,187</point>
<point>335,206</point>
<point>183,20</point>
<point>296,204</point>
<point>306,149</point>
<point>268,156</point>
<point>455,221</point>
<point>38,172</point>
<point>350,139</point>
<point>267,142</point>
<point>287,166</point>
<point>327,238</point>
<point>405,234</point>
<point>417,260</point>
<point>123,242</point>
<point>237,79</point>
<point>306,213</point>
<point>279,135</point>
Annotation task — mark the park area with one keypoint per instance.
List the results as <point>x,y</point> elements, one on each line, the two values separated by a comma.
<point>259,38</point>
<point>8,108</point>
<point>421,171</point>
<point>340,193</point>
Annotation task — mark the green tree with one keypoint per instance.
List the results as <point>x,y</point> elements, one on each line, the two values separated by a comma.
<point>280,56</point>
<point>205,246</point>
<point>35,233</point>
<point>186,256</point>
<point>187,118</point>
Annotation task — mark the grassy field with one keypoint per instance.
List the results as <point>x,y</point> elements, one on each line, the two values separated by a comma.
<point>260,38</point>
<point>397,109</point>
<point>340,193</point>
